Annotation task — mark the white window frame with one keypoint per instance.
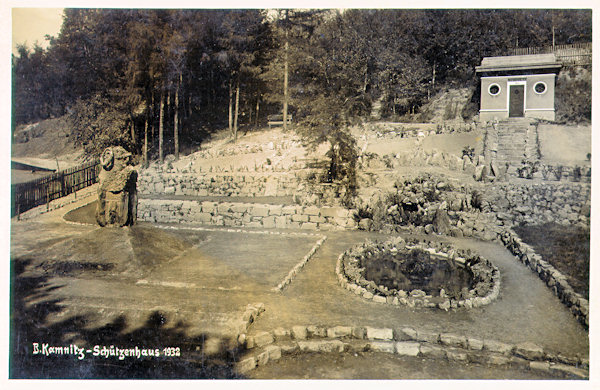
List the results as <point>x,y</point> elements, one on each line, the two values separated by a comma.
<point>490,86</point>
<point>545,87</point>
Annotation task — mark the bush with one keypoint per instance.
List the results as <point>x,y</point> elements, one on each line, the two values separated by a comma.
<point>574,96</point>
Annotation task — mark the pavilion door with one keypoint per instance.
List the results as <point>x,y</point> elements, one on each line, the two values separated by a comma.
<point>516,106</point>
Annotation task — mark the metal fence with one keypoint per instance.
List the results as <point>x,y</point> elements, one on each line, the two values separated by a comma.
<point>28,195</point>
<point>574,54</point>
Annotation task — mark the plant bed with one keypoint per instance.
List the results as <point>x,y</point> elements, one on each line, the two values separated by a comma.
<point>418,273</point>
<point>567,248</point>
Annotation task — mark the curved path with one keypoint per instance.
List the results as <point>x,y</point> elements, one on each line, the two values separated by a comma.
<point>526,310</point>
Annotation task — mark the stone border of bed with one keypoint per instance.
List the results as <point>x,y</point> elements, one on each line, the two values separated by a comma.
<point>379,294</point>
<point>270,346</point>
<point>554,279</point>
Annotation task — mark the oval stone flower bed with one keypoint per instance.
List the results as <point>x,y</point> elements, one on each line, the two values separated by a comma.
<point>418,273</point>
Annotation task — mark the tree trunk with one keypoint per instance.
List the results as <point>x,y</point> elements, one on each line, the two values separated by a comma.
<point>146,142</point>
<point>249,108</point>
<point>168,108</point>
<point>230,108</point>
<point>237,105</point>
<point>176,121</point>
<point>152,119</point>
<point>257,110</point>
<point>285,81</point>
<point>161,119</point>
<point>132,128</point>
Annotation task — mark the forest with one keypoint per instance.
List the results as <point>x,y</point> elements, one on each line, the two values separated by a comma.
<point>159,81</point>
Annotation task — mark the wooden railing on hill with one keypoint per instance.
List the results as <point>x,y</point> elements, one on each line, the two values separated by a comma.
<point>574,54</point>
<point>28,195</point>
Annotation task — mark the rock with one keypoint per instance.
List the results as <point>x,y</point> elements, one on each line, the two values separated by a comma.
<point>274,352</point>
<point>418,293</point>
<point>432,351</point>
<point>246,365</point>
<point>456,355</point>
<point>379,333</point>
<point>299,332</point>
<point>479,172</point>
<point>382,346</point>
<point>406,348</point>
<point>379,299</point>
<point>359,332</point>
<point>289,347</point>
<point>316,331</point>
<point>540,366</point>
<point>441,221</point>
<point>339,331</point>
<point>453,340</point>
<point>262,339</point>
<point>496,346</point>
<point>497,360</point>
<point>529,351</point>
<point>365,224</point>
<point>569,371</point>
<point>444,305</point>
<point>428,337</point>
<point>475,344</point>
<point>406,334</point>
<point>262,358</point>
<point>321,346</point>
<point>280,333</point>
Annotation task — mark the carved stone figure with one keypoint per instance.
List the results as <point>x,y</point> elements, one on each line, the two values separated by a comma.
<point>117,194</point>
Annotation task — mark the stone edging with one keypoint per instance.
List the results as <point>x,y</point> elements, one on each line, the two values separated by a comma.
<point>406,342</point>
<point>298,267</point>
<point>553,278</point>
<point>409,299</point>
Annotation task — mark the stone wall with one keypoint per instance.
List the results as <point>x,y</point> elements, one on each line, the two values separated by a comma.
<point>245,214</point>
<point>218,184</point>
<point>538,203</point>
<point>265,347</point>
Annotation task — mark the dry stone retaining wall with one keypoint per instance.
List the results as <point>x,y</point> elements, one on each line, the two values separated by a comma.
<point>538,203</point>
<point>245,214</point>
<point>217,184</point>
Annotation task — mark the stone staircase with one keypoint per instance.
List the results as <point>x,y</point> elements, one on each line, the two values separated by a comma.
<point>512,141</point>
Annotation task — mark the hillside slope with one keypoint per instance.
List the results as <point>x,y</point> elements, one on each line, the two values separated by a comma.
<point>50,139</point>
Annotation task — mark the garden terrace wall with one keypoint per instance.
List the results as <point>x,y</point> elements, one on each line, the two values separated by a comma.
<point>245,214</point>
<point>218,184</point>
<point>538,203</point>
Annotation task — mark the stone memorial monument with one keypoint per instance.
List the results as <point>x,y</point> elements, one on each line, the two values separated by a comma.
<point>117,195</point>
